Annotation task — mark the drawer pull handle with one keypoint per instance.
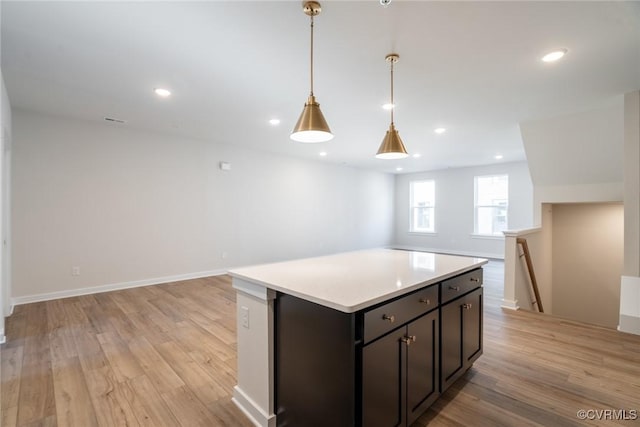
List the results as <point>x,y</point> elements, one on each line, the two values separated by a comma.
<point>425,301</point>
<point>466,306</point>
<point>454,288</point>
<point>473,279</point>
<point>408,339</point>
<point>391,319</point>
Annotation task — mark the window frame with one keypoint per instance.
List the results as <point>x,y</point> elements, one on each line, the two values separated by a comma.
<point>413,208</point>
<point>495,234</point>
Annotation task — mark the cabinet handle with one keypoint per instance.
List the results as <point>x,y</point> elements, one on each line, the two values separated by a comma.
<point>454,288</point>
<point>466,306</point>
<point>425,301</point>
<point>473,279</point>
<point>408,339</point>
<point>391,319</point>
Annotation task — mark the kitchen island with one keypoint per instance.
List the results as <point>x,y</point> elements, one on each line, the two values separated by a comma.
<point>367,338</point>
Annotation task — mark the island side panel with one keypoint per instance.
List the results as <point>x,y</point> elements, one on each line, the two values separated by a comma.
<point>315,364</point>
<point>254,393</point>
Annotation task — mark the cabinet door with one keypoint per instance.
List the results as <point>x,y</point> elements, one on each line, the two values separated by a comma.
<point>472,327</point>
<point>450,342</point>
<point>422,365</point>
<point>384,381</point>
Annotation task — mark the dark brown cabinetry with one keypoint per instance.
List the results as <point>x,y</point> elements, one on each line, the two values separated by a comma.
<point>461,336</point>
<point>315,365</point>
<point>384,364</point>
<point>391,315</point>
<point>399,374</point>
<point>379,367</point>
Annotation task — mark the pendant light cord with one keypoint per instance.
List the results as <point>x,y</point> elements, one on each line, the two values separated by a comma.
<point>393,106</point>
<point>311,55</point>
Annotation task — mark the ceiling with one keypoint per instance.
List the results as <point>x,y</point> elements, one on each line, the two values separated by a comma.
<point>471,67</point>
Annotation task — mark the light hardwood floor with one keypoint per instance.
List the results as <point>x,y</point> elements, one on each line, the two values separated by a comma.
<point>164,355</point>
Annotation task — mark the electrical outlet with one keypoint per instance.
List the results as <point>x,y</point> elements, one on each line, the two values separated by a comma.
<point>224,255</point>
<point>244,316</point>
<point>75,271</point>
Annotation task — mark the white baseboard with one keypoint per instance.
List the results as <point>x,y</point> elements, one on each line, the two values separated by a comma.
<point>510,304</point>
<point>112,287</point>
<point>255,414</point>
<point>629,324</point>
<point>448,251</point>
<point>629,305</point>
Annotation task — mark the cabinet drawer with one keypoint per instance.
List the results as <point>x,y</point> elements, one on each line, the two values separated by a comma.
<point>389,316</point>
<point>457,286</point>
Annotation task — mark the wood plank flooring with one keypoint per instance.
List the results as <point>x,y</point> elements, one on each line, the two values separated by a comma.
<point>164,355</point>
<point>539,370</point>
<point>155,356</point>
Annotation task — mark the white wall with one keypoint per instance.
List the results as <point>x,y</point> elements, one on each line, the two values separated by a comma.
<point>126,206</point>
<point>632,184</point>
<point>630,281</point>
<point>5,174</point>
<point>576,157</point>
<point>587,261</point>
<point>454,213</point>
<point>579,148</point>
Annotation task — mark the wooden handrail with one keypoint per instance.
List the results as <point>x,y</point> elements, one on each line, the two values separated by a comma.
<point>534,284</point>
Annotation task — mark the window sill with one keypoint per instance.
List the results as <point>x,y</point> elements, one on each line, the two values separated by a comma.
<point>423,233</point>
<point>487,236</point>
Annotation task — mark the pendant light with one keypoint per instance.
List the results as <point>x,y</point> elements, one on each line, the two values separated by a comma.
<point>311,126</point>
<point>392,146</point>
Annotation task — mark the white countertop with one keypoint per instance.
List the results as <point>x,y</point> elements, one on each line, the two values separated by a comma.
<point>352,281</point>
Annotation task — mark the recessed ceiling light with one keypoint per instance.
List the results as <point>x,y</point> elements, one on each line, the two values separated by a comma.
<point>162,92</point>
<point>417,155</point>
<point>439,131</point>
<point>398,168</point>
<point>274,122</point>
<point>555,55</point>
<point>498,157</point>
<point>323,153</point>
<point>388,106</point>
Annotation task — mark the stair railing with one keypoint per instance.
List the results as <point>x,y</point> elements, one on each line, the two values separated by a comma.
<point>534,283</point>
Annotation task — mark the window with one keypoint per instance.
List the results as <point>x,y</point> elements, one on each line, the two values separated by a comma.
<point>422,205</point>
<point>491,204</point>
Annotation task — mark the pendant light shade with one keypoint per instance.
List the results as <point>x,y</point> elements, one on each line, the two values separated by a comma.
<point>392,146</point>
<point>311,126</point>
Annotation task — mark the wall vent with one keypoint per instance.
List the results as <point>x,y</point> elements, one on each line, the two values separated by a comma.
<point>111,119</point>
